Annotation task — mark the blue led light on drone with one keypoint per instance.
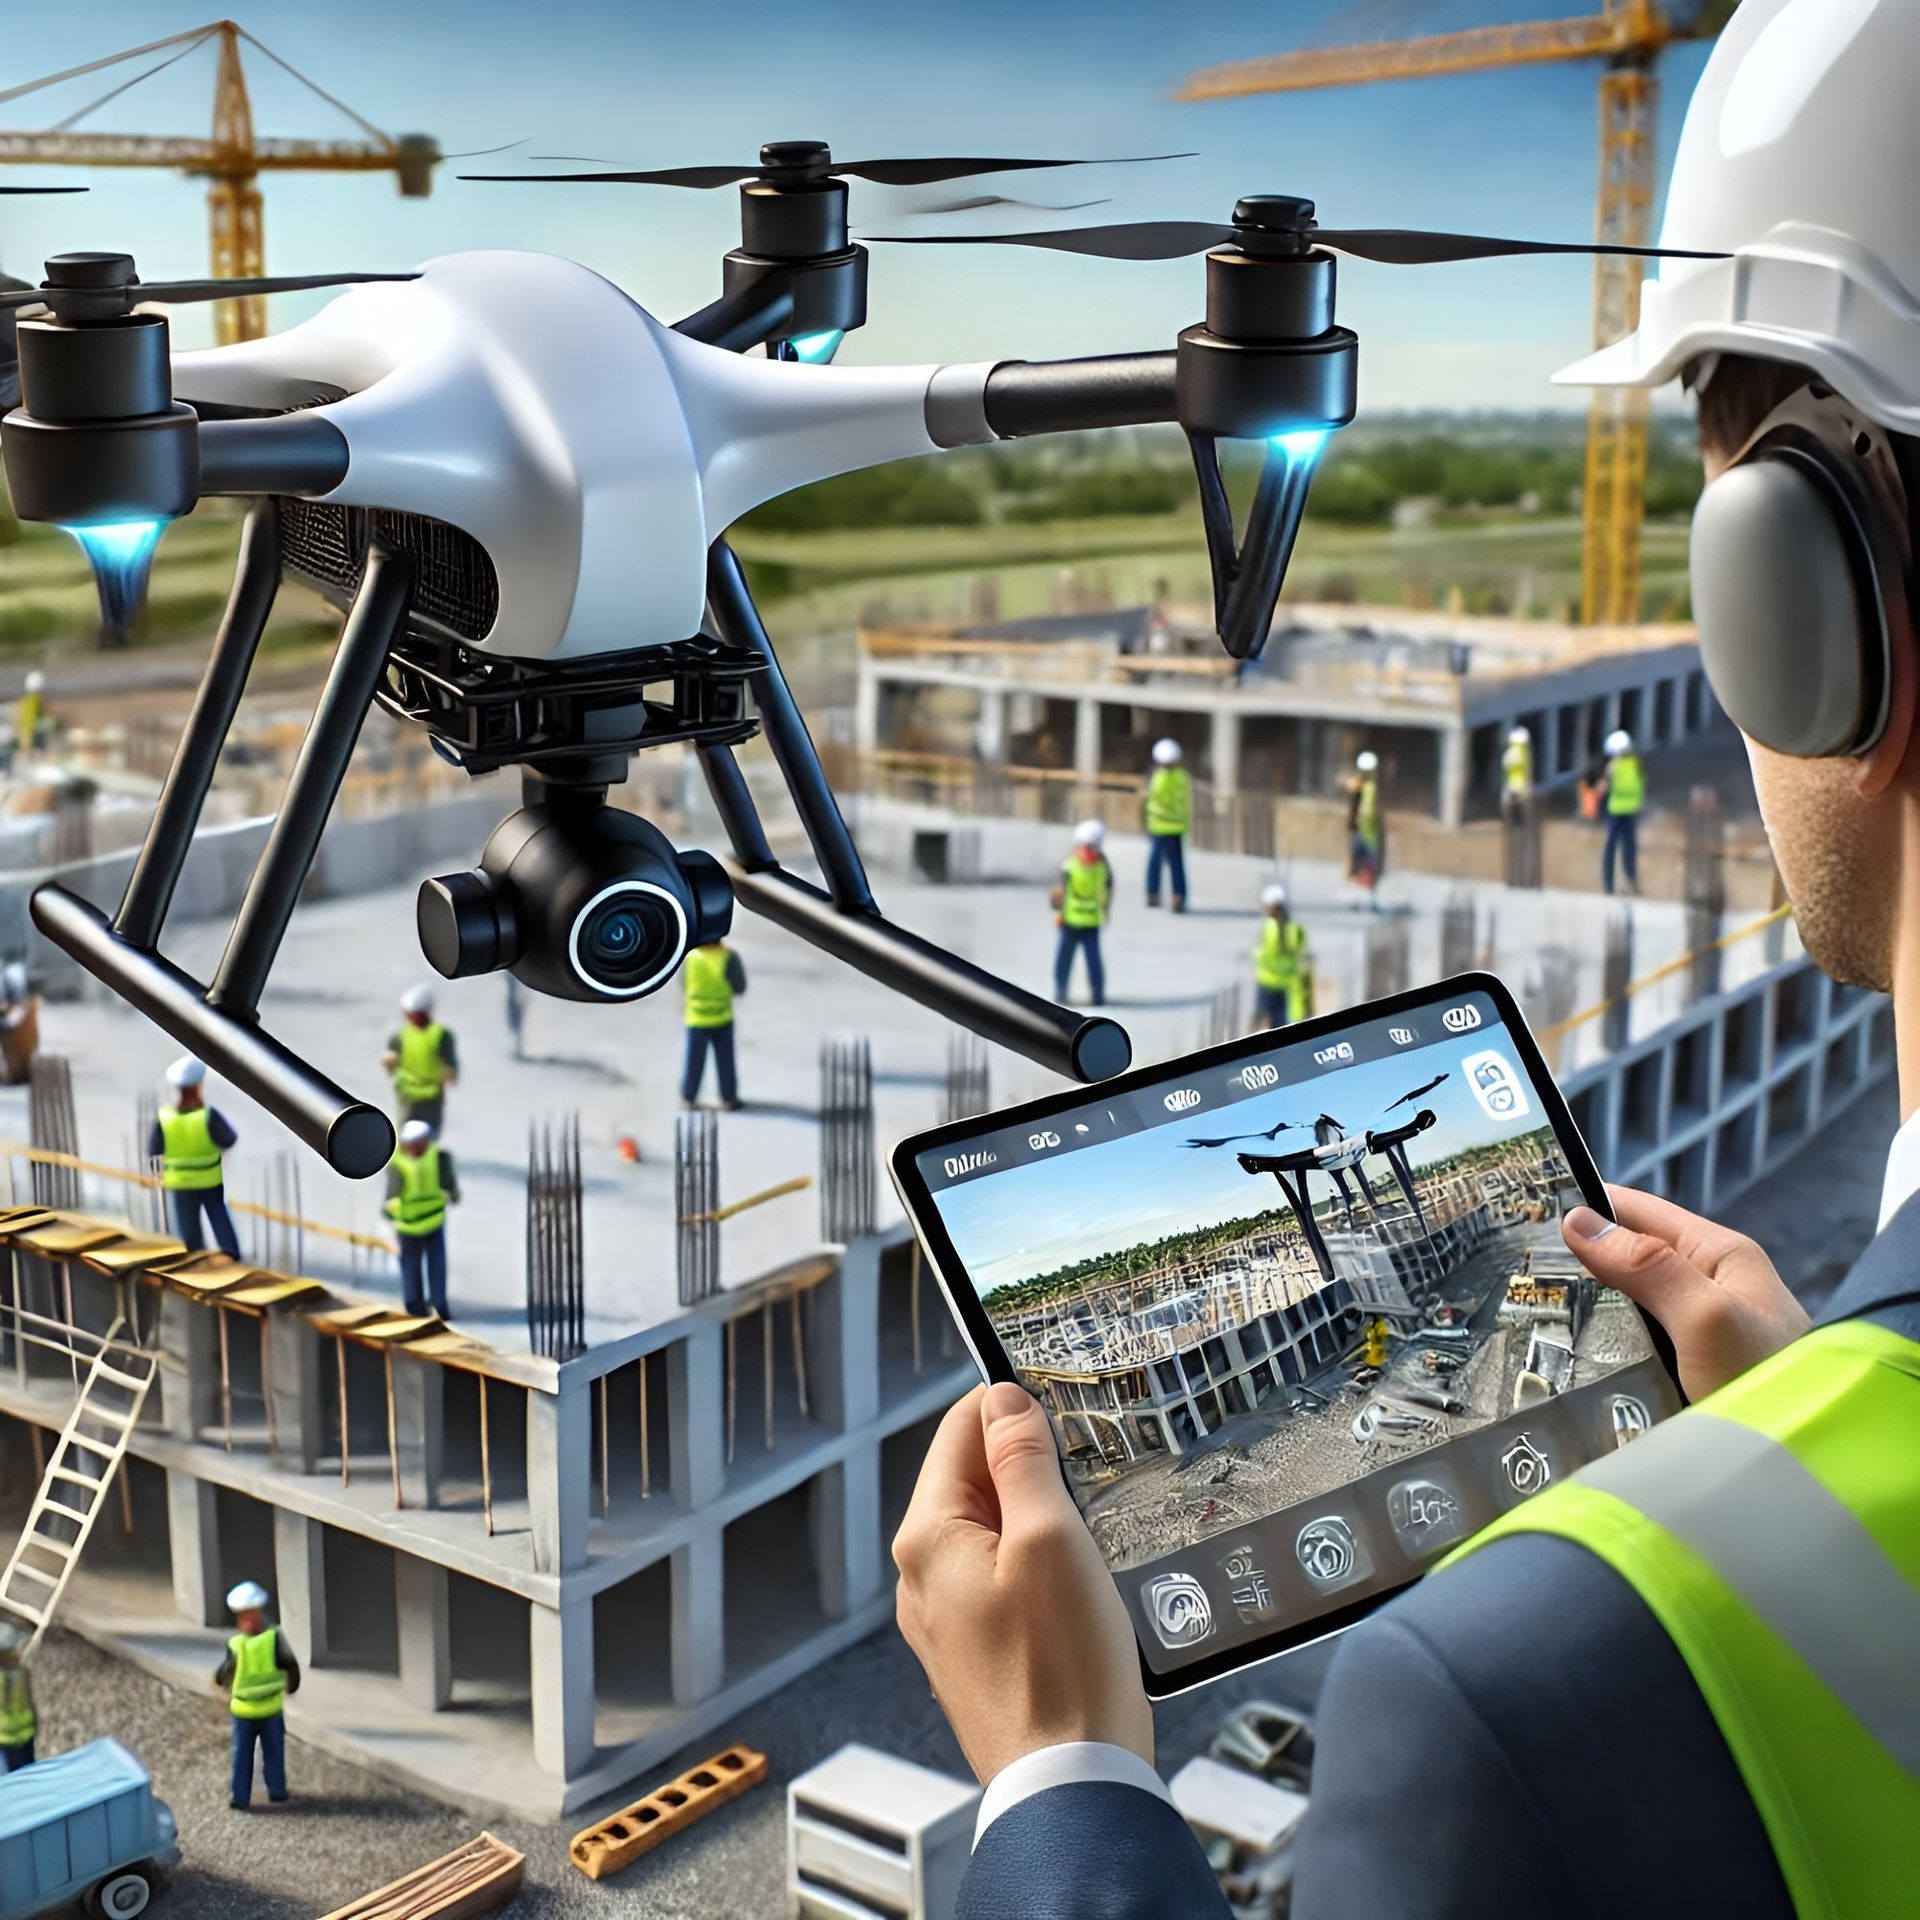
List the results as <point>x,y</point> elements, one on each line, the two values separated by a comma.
<point>1303,443</point>
<point>121,552</point>
<point>817,347</point>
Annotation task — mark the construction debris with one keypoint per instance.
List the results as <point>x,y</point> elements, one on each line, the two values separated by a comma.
<point>480,1877</point>
<point>618,1841</point>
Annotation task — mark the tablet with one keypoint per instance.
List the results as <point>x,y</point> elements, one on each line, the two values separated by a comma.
<point>1298,1309</point>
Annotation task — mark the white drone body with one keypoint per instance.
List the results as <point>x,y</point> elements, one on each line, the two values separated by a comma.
<point>593,452</point>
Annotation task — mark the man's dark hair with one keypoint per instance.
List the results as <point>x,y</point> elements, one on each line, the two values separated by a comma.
<point>1737,398</point>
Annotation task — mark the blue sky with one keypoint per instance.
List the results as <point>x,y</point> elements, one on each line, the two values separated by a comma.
<point>1030,1219</point>
<point>643,83</point>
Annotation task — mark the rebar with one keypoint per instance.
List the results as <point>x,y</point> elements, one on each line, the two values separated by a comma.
<point>846,1139</point>
<point>696,1180</point>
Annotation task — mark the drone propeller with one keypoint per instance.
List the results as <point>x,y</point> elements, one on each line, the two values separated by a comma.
<point>1416,1093</point>
<point>43,189</point>
<point>975,202</point>
<point>104,286</point>
<point>1269,1134</point>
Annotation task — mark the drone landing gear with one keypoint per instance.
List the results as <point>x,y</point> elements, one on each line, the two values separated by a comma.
<point>220,1023</point>
<point>843,920</point>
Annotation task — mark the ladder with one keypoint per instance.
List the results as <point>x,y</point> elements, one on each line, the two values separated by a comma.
<point>84,1461</point>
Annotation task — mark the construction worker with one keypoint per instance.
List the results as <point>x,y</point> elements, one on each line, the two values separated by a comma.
<point>421,1185</point>
<point>30,714</point>
<point>713,976</point>
<point>421,1057</point>
<point>257,1675</point>
<point>1626,794</point>
<point>1516,774</point>
<point>1725,1607</point>
<point>1282,965</point>
<point>18,1723</point>
<point>1366,825</point>
<point>1169,811</point>
<point>190,1139</point>
<point>1081,903</point>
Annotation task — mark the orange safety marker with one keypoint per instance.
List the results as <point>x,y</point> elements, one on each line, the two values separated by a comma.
<point>620,1839</point>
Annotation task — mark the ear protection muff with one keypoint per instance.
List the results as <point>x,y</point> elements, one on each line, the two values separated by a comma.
<point>1800,561</point>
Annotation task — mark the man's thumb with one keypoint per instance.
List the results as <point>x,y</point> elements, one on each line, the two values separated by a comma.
<point>1640,1265</point>
<point>1020,1454</point>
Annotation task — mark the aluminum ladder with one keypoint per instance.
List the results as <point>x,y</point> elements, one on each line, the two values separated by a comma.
<point>85,1459</point>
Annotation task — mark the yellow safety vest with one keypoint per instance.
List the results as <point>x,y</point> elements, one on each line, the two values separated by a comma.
<point>1517,764</point>
<point>420,1206</point>
<point>1085,888</point>
<point>259,1688</point>
<point>1169,801</point>
<point>1774,1532</point>
<point>188,1157</point>
<point>1281,965</point>
<point>18,1722</point>
<point>1626,784</point>
<point>420,1073</point>
<point>709,991</point>
<point>1366,815</point>
<point>26,721</point>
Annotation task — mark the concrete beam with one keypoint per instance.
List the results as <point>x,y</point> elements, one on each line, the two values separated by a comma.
<point>300,1585</point>
<point>990,737</point>
<point>696,1420</point>
<point>843,1338</point>
<point>843,1515</point>
<point>193,1537</point>
<point>294,1381</point>
<point>866,709</point>
<point>1223,750</point>
<point>425,1632</point>
<point>1086,741</point>
<point>559,1470</point>
<point>1451,800</point>
<point>189,1364</point>
<point>420,1428</point>
<point>561,1663</point>
<point>698,1648</point>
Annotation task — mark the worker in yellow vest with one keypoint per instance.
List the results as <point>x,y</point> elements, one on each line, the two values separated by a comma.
<point>1366,824</point>
<point>1169,815</point>
<point>190,1139</point>
<point>421,1185</point>
<point>713,978</point>
<point>1516,774</point>
<point>421,1057</point>
<point>18,1723</point>
<point>1282,964</point>
<point>256,1676</point>
<point>1081,903</point>
<point>29,714</point>
<point>1626,794</point>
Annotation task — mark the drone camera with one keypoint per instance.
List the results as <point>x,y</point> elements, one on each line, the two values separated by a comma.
<point>579,900</point>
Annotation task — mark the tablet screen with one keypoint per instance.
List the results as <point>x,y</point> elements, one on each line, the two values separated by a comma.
<point>1302,1319</point>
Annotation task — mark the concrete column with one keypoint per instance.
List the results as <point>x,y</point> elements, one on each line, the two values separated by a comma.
<point>193,1534</point>
<point>562,1671</point>
<point>420,1429</point>
<point>426,1634</point>
<point>300,1584</point>
<point>843,1338</point>
<point>991,737</point>
<point>1224,751</point>
<point>698,1648</point>
<point>559,1470</point>
<point>866,708</point>
<point>844,1517</point>
<point>1086,741</point>
<point>189,1364</point>
<point>696,1420</point>
<point>294,1381</point>
<point>1451,802</point>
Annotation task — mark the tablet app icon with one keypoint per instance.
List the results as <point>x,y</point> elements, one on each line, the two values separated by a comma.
<point>1250,1592</point>
<point>1425,1515</point>
<point>1499,1089</point>
<point>1177,1605</point>
<point>1328,1553</point>
<point>1528,1468</point>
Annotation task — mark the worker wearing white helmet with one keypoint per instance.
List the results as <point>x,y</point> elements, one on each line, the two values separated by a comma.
<point>1169,816</point>
<point>1624,794</point>
<point>421,1185</point>
<point>190,1139</point>
<point>1081,902</point>
<point>260,1670</point>
<point>1282,964</point>
<point>1366,822</point>
<point>422,1059</point>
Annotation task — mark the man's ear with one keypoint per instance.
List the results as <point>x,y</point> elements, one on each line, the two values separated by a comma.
<point>1876,769</point>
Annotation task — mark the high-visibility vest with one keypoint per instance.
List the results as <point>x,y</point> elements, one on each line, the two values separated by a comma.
<point>709,991</point>
<point>188,1157</point>
<point>1516,764</point>
<point>1366,813</point>
<point>18,1722</point>
<point>421,1204</point>
<point>1626,784</point>
<point>26,721</point>
<point>1280,964</point>
<point>1169,800</point>
<point>1085,887</point>
<point>1774,1532</point>
<point>420,1073</point>
<point>259,1688</point>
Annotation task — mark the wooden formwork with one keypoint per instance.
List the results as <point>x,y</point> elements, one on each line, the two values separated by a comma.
<point>476,1879</point>
<point>622,1838</point>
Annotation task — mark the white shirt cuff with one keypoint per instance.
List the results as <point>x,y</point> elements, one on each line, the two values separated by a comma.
<point>1060,1766</point>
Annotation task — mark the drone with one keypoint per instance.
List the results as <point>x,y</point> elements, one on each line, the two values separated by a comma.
<point>516,484</point>
<point>1336,1153</point>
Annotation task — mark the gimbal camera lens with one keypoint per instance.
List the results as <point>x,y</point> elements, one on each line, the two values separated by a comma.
<point>580,900</point>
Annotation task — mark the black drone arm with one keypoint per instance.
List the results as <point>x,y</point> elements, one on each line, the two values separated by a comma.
<point>1025,397</point>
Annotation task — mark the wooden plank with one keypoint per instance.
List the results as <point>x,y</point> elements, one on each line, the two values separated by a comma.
<point>133,1254</point>
<point>622,1838</point>
<point>476,1879</point>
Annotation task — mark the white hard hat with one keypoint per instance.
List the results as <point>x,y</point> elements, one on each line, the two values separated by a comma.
<point>247,1595</point>
<point>186,1072</point>
<point>15,979</point>
<point>1089,833</point>
<point>1518,737</point>
<point>1619,741</point>
<point>417,999</point>
<point>36,681</point>
<point>1798,156</point>
<point>1273,895</point>
<point>1368,762</point>
<point>1166,752</point>
<point>416,1133</point>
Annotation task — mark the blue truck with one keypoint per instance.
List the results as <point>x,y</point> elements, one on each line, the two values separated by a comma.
<point>83,1829</point>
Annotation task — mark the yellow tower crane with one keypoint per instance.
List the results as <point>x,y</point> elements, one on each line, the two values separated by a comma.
<point>231,159</point>
<point>1629,36</point>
